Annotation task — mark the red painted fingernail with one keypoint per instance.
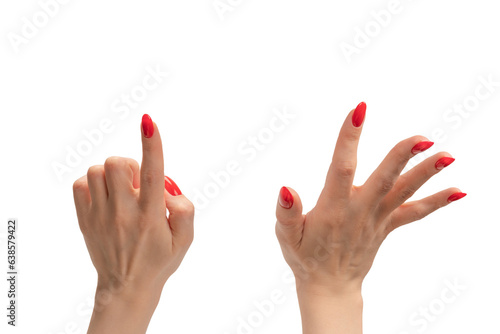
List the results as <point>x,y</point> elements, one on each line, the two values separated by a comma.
<point>456,197</point>
<point>421,147</point>
<point>359,114</point>
<point>286,198</point>
<point>171,187</point>
<point>444,162</point>
<point>147,126</point>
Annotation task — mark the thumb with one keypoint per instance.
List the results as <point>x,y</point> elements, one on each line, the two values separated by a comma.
<point>290,221</point>
<point>181,213</point>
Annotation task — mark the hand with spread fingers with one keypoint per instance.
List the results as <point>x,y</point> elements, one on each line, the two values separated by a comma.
<point>331,248</point>
<point>133,245</point>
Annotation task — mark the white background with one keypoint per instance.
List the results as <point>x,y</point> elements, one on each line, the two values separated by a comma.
<point>227,73</point>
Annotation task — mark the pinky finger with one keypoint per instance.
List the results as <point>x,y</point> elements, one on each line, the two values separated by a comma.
<point>81,196</point>
<point>416,210</point>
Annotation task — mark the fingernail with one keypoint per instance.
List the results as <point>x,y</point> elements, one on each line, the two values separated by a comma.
<point>359,115</point>
<point>444,162</point>
<point>171,187</point>
<point>421,147</point>
<point>286,198</point>
<point>456,197</point>
<point>147,126</point>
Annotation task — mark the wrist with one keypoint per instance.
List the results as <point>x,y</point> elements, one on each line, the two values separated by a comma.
<point>126,291</point>
<point>315,295</point>
<point>126,298</point>
<point>123,311</point>
<point>329,287</point>
<point>336,307</point>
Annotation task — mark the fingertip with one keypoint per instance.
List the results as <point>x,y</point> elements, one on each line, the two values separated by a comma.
<point>359,114</point>
<point>361,106</point>
<point>422,145</point>
<point>456,196</point>
<point>290,221</point>
<point>148,127</point>
<point>289,205</point>
<point>285,199</point>
<point>181,216</point>
<point>172,187</point>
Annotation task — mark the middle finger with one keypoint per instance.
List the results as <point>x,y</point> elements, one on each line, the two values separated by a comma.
<point>122,176</point>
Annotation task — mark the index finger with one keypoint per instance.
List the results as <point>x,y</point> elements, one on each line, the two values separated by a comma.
<point>340,175</point>
<point>152,170</point>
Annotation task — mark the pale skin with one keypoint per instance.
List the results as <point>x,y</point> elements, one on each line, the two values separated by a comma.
<point>133,245</point>
<point>331,248</point>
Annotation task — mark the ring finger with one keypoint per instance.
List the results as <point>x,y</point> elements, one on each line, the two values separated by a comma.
<point>383,179</point>
<point>412,180</point>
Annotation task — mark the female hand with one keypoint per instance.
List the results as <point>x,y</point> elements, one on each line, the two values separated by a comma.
<point>133,245</point>
<point>331,249</point>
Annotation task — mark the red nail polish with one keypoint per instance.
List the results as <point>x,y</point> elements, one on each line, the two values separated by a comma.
<point>147,126</point>
<point>171,187</point>
<point>286,198</point>
<point>421,147</point>
<point>456,197</point>
<point>444,162</point>
<point>359,114</point>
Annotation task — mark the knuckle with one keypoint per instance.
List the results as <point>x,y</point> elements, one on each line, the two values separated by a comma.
<point>148,149</point>
<point>407,192</point>
<point>392,224</point>
<point>282,237</point>
<point>133,164</point>
<point>402,158</point>
<point>114,163</point>
<point>285,223</point>
<point>400,155</point>
<point>95,171</point>
<point>345,168</point>
<point>151,177</point>
<point>287,233</point>
<point>426,172</point>
<point>79,185</point>
<point>418,213</point>
<point>185,208</point>
<point>352,135</point>
<point>83,226</point>
<point>385,185</point>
